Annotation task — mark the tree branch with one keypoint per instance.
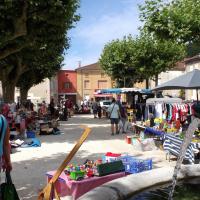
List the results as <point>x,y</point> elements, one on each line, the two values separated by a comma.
<point>20,25</point>
<point>10,50</point>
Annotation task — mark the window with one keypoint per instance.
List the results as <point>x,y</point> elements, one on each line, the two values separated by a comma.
<point>86,84</point>
<point>86,75</point>
<point>102,84</point>
<point>66,85</point>
<point>102,75</point>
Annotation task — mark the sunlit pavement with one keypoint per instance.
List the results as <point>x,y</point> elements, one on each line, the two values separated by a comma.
<point>31,164</point>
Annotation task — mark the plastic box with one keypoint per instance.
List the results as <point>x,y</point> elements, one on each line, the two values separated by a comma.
<point>110,168</point>
<point>30,134</point>
<point>137,165</point>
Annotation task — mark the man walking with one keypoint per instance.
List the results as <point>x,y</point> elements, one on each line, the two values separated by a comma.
<point>114,114</point>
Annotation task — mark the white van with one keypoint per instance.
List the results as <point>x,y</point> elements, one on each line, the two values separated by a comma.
<point>105,104</point>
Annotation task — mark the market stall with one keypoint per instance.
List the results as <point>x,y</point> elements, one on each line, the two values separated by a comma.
<point>76,180</point>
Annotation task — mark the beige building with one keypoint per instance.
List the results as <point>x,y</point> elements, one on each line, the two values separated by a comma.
<point>91,78</point>
<point>163,77</point>
<point>191,64</point>
<point>38,93</point>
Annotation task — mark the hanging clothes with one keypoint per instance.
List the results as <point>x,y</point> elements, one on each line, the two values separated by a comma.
<point>158,108</point>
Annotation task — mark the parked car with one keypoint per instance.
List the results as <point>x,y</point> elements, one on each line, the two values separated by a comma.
<point>105,104</point>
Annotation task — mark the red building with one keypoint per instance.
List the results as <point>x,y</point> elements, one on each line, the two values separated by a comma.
<point>67,84</point>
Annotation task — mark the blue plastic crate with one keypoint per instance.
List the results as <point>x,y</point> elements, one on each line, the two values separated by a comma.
<point>137,165</point>
<point>126,158</point>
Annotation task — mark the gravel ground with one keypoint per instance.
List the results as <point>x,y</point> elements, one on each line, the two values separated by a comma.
<point>31,164</point>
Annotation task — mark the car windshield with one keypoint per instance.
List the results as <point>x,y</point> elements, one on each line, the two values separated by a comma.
<point>107,103</point>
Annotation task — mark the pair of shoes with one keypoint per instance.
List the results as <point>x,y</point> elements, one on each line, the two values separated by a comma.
<point>117,132</point>
<point>123,132</point>
<point>112,134</point>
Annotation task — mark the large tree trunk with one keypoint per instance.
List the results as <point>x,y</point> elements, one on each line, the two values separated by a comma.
<point>8,91</point>
<point>23,94</point>
<point>9,78</point>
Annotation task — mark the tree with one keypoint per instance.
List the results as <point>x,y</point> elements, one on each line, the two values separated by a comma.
<point>43,29</point>
<point>140,59</point>
<point>178,20</point>
<point>153,56</point>
<point>116,61</point>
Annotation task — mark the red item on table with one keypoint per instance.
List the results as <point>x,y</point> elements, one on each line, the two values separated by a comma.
<point>113,154</point>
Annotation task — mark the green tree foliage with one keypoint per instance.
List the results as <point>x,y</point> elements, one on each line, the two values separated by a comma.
<point>153,56</point>
<point>139,59</point>
<point>116,61</point>
<point>33,33</point>
<point>178,20</point>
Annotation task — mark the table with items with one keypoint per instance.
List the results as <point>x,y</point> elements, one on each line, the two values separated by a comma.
<point>76,180</point>
<point>67,187</point>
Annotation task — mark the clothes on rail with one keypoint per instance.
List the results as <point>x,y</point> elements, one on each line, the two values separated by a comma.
<point>169,111</point>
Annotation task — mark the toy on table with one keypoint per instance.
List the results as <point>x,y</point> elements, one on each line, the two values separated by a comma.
<point>79,172</point>
<point>77,175</point>
<point>89,172</point>
<point>75,172</point>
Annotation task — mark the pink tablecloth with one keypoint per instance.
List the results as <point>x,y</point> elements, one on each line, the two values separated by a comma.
<point>65,187</point>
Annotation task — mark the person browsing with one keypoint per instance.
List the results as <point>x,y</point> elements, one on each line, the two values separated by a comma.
<point>114,113</point>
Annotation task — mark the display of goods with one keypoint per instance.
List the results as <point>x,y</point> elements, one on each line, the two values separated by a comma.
<point>134,165</point>
<point>110,168</point>
<point>111,156</point>
<point>77,175</point>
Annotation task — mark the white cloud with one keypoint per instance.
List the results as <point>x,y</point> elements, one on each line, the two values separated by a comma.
<point>110,26</point>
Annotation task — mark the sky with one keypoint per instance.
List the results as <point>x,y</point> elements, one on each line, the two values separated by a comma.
<point>101,22</point>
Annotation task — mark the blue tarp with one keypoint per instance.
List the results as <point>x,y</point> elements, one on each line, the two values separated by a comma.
<point>153,131</point>
<point>32,142</point>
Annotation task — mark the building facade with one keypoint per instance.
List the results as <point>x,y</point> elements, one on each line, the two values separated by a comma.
<point>191,64</point>
<point>66,81</point>
<point>40,92</point>
<point>163,77</point>
<point>54,88</point>
<point>91,78</point>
